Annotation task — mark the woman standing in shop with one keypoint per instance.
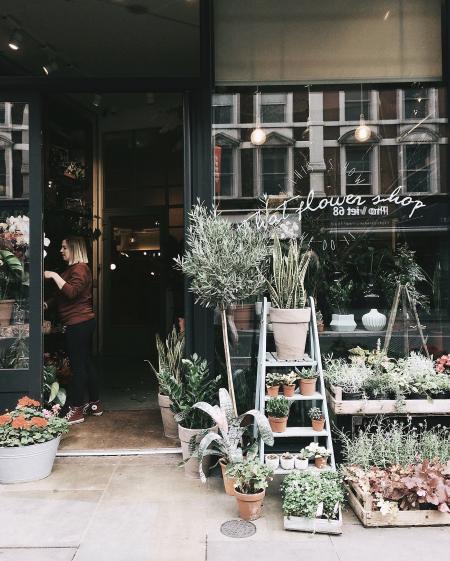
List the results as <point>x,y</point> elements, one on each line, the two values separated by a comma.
<point>74,307</point>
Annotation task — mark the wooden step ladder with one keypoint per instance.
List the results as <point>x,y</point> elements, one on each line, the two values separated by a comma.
<point>318,399</point>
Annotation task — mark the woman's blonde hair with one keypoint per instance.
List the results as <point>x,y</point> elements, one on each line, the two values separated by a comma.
<point>77,248</point>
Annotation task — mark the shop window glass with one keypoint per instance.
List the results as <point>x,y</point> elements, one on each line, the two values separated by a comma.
<point>388,168</point>
<point>358,173</point>
<point>300,101</point>
<point>2,112</point>
<point>416,103</point>
<point>273,108</point>
<point>356,102</point>
<point>331,105</point>
<point>273,170</point>
<point>418,168</point>
<point>224,172</point>
<point>223,109</point>
<point>387,104</point>
<point>247,177</point>
<point>2,173</point>
<point>246,108</point>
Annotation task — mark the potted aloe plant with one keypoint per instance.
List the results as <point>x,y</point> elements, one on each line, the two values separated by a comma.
<point>251,480</point>
<point>308,378</point>
<point>277,409</point>
<point>288,381</point>
<point>317,418</point>
<point>288,312</point>
<point>273,381</point>
<point>227,443</point>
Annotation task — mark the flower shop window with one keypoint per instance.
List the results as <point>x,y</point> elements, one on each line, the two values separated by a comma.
<point>416,103</point>
<point>358,170</point>
<point>357,102</point>
<point>273,170</point>
<point>273,108</point>
<point>223,109</point>
<point>418,168</point>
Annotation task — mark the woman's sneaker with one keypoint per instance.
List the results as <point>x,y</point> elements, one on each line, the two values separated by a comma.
<point>75,415</point>
<point>93,408</point>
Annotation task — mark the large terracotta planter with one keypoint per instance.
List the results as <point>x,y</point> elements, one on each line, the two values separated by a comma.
<point>308,386</point>
<point>191,466</point>
<point>19,464</point>
<point>228,482</point>
<point>290,328</point>
<point>278,424</point>
<point>6,310</point>
<point>170,426</point>
<point>250,505</point>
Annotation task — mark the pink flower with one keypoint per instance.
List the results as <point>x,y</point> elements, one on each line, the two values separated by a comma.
<point>56,409</point>
<point>47,414</point>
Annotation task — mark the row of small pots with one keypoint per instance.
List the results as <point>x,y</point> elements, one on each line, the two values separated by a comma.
<point>289,461</point>
<point>307,387</point>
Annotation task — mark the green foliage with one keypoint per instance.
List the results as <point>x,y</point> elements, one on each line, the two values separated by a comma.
<point>289,379</point>
<point>278,407</point>
<point>251,476</point>
<point>196,384</point>
<point>170,355</point>
<point>287,283</point>
<point>224,262</point>
<point>274,379</point>
<point>53,393</point>
<point>304,492</point>
<point>339,293</point>
<point>228,443</point>
<point>11,273</point>
<point>307,374</point>
<point>315,414</point>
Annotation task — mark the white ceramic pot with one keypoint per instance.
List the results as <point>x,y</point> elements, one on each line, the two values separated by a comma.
<point>273,462</point>
<point>343,322</point>
<point>374,320</point>
<point>19,464</point>
<point>287,463</point>
<point>290,328</point>
<point>301,464</point>
<point>170,426</point>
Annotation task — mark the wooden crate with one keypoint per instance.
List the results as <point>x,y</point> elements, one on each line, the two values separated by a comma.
<point>384,406</point>
<point>313,525</point>
<point>362,505</point>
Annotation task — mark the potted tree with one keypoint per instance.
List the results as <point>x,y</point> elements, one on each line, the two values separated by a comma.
<point>273,381</point>
<point>251,480</point>
<point>319,453</point>
<point>227,444</point>
<point>288,312</point>
<point>11,274</point>
<point>29,439</point>
<point>288,381</point>
<point>308,379</point>
<point>277,409</point>
<point>225,264</point>
<point>339,296</point>
<point>317,418</point>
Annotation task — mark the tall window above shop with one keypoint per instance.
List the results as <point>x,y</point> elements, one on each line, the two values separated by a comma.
<point>416,103</point>
<point>358,171</point>
<point>223,109</point>
<point>273,108</point>
<point>273,170</point>
<point>357,102</point>
<point>418,168</point>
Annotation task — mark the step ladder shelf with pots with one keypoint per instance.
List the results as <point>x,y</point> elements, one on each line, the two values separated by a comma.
<point>311,360</point>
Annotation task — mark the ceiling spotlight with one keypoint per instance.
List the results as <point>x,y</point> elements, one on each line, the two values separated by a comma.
<point>113,266</point>
<point>96,102</point>
<point>50,67</point>
<point>362,132</point>
<point>15,40</point>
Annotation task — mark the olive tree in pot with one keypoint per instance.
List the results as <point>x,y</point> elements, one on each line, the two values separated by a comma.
<point>227,444</point>
<point>195,384</point>
<point>225,264</point>
<point>170,354</point>
<point>288,314</point>
<point>278,412</point>
<point>251,480</point>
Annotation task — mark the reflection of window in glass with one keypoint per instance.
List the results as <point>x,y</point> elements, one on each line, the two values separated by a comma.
<point>2,173</point>
<point>247,177</point>
<point>355,104</point>
<point>224,179</point>
<point>273,170</point>
<point>273,108</point>
<point>416,103</point>
<point>222,108</point>
<point>418,168</point>
<point>2,112</point>
<point>358,172</point>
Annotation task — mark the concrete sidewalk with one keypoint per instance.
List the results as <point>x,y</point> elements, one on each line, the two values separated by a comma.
<point>144,509</point>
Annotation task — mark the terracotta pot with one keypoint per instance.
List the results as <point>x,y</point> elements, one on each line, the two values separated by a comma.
<point>170,426</point>
<point>272,391</point>
<point>278,424</point>
<point>250,505</point>
<point>244,316</point>
<point>318,424</point>
<point>228,482</point>
<point>6,310</point>
<point>290,328</point>
<point>308,386</point>
<point>192,464</point>
<point>320,462</point>
<point>321,327</point>
<point>288,390</point>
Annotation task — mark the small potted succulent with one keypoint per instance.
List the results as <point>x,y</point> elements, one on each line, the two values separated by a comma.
<point>277,409</point>
<point>287,461</point>
<point>302,459</point>
<point>251,480</point>
<point>320,322</point>
<point>273,381</point>
<point>272,461</point>
<point>308,378</point>
<point>317,418</point>
<point>320,454</point>
<point>288,381</point>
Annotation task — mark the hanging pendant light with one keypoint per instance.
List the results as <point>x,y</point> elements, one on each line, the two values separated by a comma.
<point>258,135</point>
<point>362,131</point>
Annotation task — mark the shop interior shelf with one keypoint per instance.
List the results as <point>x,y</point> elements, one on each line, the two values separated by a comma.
<point>299,397</point>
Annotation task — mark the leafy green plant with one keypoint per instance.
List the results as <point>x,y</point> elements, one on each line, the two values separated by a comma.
<point>16,355</point>
<point>11,273</point>
<point>306,374</point>
<point>339,294</point>
<point>274,379</point>
<point>251,476</point>
<point>289,378</point>
<point>225,264</point>
<point>317,451</point>
<point>170,355</point>
<point>53,393</point>
<point>315,414</point>
<point>287,283</point>
<point>304,454</point>
<point>278,407</point>
<point>304,492</point>
<point>228,443</point>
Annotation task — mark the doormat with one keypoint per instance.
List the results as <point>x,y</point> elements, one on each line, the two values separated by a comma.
<point>238,529</point>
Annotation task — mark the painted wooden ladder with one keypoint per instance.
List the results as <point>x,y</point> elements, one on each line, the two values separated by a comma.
<point>318,399</point>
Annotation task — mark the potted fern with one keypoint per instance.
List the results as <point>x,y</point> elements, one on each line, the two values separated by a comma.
<point>288,312</point>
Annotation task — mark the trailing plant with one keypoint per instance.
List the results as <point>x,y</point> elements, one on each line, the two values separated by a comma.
<point>225,264</point>
<point>278,407</point>
<point>315,414</point>
<point>170,355</point>
<point>307,374</point>
<point>228,443</point>
<point>251,476</point>
<point>309,495</point>
<point>286,285</point>
<point>339,294</point>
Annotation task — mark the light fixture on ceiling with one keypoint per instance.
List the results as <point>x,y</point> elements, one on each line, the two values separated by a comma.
<point>96,102</point>
<point>50,67</point>
<point>15,40</point>
<point>258,135</point>
<point>362,131</point>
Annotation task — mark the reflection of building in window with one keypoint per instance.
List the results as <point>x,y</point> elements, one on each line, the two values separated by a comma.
<point>416,103</point>
<point>14,150</point>
<point>273,170</point>
<point>273,108</point>
<point>356,102</point>
<point>223,108</point>
<point>418,168</point>
<point>358,170</point>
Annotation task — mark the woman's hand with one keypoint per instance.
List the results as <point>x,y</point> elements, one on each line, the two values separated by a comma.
<point>60,282</point>
<point>48,275</point>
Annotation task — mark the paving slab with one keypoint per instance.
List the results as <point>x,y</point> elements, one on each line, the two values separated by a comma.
<point>38,554</point>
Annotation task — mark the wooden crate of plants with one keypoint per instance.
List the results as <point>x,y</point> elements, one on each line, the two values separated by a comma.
<point>362,504</point>
<point>341,406</point>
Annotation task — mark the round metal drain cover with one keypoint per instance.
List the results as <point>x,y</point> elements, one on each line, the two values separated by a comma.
<point>238,529</point>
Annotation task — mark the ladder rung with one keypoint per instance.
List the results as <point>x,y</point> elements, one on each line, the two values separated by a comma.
<point>301,431</point>
<point>310,469</point>
<point>300,397</point>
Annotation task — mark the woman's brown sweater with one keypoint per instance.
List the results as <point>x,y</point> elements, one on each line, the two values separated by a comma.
<point>74,300</point>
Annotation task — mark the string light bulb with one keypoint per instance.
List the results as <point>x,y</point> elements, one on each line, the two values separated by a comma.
<point>362,132</point>
<point>258,135</point>
<point>15,40</point>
